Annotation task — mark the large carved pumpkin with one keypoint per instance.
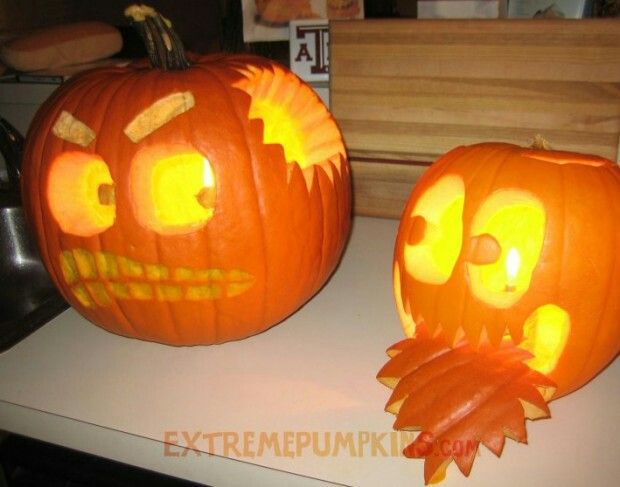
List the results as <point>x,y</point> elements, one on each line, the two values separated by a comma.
<point>503,242</point>
<point>187,203</point>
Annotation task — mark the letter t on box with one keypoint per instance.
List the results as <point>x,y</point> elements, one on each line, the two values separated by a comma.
<point>309,49</point>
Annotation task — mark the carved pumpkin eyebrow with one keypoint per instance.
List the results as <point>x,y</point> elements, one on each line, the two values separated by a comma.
<point>69,128</point>
<point>159,113</point>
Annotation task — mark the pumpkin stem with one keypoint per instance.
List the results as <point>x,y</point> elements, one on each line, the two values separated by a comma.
<point>163,45</point>
<point>540,143</point>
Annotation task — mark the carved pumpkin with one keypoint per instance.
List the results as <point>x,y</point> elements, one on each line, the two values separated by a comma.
<point>507,281</point>
<point>187,203</point>
<point>503,242</point>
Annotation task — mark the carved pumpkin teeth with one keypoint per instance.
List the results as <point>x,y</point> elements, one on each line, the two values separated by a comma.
<point>98,277</point>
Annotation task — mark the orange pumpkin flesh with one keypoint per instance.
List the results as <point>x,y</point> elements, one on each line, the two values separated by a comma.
<point>506,257</point>
<point>174,205</point>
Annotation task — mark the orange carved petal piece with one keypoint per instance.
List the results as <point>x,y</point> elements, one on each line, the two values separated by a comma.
<point>409,355</point>
<point>459,397</point>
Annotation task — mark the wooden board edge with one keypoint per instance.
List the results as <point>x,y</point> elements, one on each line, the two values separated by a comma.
<point>381,188</point>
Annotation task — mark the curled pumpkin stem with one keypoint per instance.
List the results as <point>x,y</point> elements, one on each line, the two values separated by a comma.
<point>540,143</point>
<point>163,45</point>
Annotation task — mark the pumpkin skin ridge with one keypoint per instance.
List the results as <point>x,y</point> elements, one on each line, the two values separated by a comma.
<point>589,361</point>
<point>344,212</point>
<point>344,207</point>
<point>319,173</point>
<point>248,125</point>
<point>435,323</point>
<point>595,343</point>
<point>214,75</point>
<point>258,140</point>
<point>296,168</point>
<point>94,86</point>
<point>319,176</point>
<point>98,240</point>
<point>252,159</point>
<point>407,212</point>
<point>343,199</point>
<point>217,309</point>
<point>493,337</point>
<point>128,84</point>
<point>102,239</point>
<point>241,123</point>
<point>33,206</point>
<point>588,369</point>
<point>484,326</point>
<point>87,86</point>
<point>312,290</point>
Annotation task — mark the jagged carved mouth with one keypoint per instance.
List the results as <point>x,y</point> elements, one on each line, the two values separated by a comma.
<point>96,278</point>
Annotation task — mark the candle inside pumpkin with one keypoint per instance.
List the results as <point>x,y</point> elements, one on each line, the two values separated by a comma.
<point>513,262</point>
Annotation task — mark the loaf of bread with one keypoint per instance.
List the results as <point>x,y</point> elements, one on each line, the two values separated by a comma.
<point>62,45</point>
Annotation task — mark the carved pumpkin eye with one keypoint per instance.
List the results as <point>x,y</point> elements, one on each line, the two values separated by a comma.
<point>436,231</point>
<point>514,221</point>
<point>172,189</point>
<point>80,193</point>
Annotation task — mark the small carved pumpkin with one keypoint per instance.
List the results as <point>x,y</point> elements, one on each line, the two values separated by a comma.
<point>507,281</point>
<point>187,203</point>
<point>501,242</point>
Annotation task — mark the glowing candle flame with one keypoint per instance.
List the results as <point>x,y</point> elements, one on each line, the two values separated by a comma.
<point>513,262</point>
<point>207,177</point>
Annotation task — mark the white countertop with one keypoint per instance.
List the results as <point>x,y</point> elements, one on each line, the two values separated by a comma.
<point>74,384</point>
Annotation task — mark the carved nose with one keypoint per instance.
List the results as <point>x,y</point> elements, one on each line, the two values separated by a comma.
<point>417,230</point>
<point>483,249</point>
<point>106,194</point>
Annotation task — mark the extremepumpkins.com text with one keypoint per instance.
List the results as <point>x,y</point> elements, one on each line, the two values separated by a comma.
<point>292,444</point>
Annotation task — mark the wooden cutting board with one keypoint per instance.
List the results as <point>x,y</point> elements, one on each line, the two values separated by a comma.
<point>406,91</point>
